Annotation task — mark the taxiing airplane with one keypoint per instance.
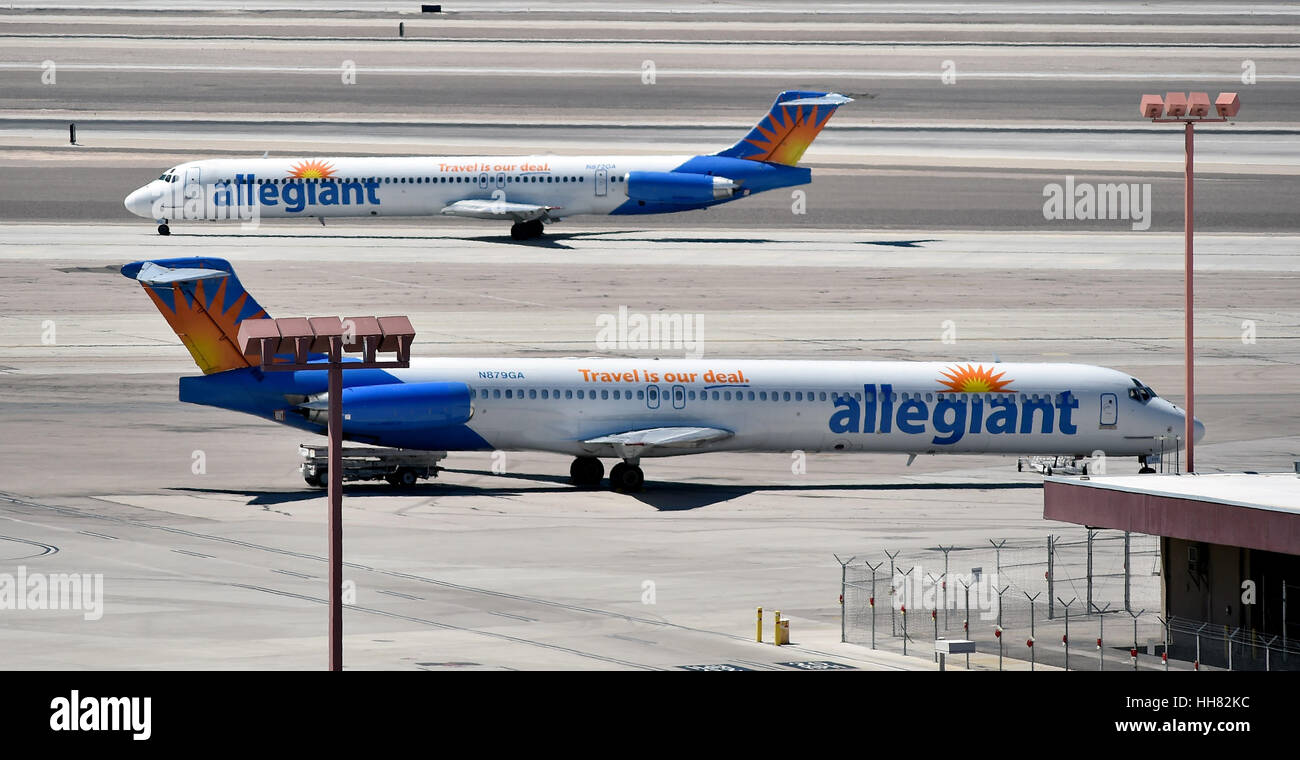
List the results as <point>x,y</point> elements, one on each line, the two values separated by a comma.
<point>631,409</point>
<point>529,191</point>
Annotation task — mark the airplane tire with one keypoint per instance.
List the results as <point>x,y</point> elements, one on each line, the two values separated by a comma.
<point>527,230</point>
<point>405,477</point>
<point>586,472</point>
<point>315,481</point>
<point>164,229</point>
<point>627,478</point>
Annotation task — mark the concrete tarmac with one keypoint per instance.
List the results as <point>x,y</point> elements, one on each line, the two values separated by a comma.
<point>194,515</point>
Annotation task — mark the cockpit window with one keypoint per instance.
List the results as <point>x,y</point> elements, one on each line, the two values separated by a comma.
<point>1140,392</point>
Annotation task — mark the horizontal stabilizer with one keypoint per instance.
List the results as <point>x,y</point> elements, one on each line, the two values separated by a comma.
<point>484,209</point>
<point>154,274</point>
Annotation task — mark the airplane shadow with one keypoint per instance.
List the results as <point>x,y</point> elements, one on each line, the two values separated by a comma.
<point>663,496</point>
<point>554,240</point>
<point>898,243</point>
<point>673,497</point>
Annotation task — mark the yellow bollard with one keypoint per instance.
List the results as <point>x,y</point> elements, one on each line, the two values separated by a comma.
<point>783,633</point>
<point>758,636</point>
<point>776,629</point>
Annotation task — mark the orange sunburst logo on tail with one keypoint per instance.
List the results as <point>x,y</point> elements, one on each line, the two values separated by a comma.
<point>312,170</point>
<point>973,379</point>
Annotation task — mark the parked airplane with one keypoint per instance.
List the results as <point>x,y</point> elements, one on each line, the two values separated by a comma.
<point>526,190</point>
<point>630,409</point>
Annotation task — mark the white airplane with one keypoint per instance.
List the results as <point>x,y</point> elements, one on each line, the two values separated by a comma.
<point>528,191</point>
<point>632,409</point>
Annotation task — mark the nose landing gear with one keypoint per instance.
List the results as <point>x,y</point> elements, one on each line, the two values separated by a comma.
<point>163,229</point>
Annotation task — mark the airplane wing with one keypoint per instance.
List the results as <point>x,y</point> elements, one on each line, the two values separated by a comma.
<point>483,209</point>
<point>635,442</point>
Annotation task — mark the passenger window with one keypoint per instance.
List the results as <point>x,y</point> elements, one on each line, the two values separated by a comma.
<point>640,395</point>
<point>762,395</point>
<point>580,394</point>
<point>726,395</point>
<point>604,395</point>
<point>496,393</point>
<point>568,394</point>
<point>545,393</point>
<point>532,393</point>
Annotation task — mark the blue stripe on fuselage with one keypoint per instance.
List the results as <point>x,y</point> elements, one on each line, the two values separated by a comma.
<point>259,393</point>
<point>753,176</point>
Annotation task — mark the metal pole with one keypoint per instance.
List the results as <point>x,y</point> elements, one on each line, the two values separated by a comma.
<point>1051,578</point>
<point>997,551</point>
<point>893,630</point>
<point>1135,635</point>
<point>1284,619</point>
<point>966,623</point>
<point>1033,658</point>
<point>1002,634</point>
<point>945,583</point>
<point>904,630</point>
<point>1090,534</point>
<point>844,569</point>
<point>1101,642</point>
<point>1127,574</point>
<point>1066,639</point>
<point>1189,423</point>
<point>903,608</point>
<point>873,607</point>
<point>72,133</point>
<point>335,375</point>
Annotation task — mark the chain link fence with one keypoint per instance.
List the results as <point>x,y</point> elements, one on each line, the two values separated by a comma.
<point>1086,600</point>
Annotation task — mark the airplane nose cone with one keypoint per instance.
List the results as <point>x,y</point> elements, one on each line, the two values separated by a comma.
<point>139,202</point>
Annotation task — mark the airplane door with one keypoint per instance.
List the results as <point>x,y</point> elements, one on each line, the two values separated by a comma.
<point>679,397</point>
<point>652,396</point>
<point>602,182</point>
<point>174,197</point>
<point>194,190</point>
<point>1109,410</point>
<point>482,181</point>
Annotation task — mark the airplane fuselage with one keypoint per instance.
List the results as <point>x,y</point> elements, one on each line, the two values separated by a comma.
<point>241,189</point>
<point>768,405</point>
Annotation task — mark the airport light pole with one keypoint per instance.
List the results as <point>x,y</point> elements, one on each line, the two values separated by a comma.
<point>1188,109</point>
<point>284,345</point>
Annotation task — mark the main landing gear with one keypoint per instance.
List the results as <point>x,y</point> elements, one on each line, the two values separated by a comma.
<point>526,230</point>
<point>163,229</point>
<point>626,477</point>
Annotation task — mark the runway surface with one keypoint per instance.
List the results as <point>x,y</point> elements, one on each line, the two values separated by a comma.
<point>926,209</point>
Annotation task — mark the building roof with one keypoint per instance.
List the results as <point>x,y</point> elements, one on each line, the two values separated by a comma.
<point>1253,510</point>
